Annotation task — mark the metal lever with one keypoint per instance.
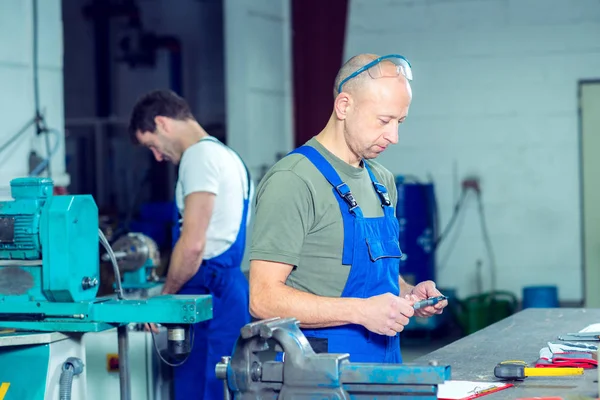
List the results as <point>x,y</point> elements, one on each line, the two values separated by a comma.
<point>221,372</point>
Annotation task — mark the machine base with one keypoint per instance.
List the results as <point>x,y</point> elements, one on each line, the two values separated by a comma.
<point>31,365</point>
<point>150,378</point>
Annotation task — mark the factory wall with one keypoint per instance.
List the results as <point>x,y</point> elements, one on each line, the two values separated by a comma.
<point>258,80</point>
<point>17,103</point>
<point>494,96</point>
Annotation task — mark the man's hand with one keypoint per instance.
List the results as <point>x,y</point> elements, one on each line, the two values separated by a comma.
<point>386,314</point>
<point>423,291</point>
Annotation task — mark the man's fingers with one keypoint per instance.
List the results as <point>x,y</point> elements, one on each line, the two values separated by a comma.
<point>401,320</point>
<point>427,311</point>
<point>396,327</point>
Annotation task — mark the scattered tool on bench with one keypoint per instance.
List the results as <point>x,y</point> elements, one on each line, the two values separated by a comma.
<point>519,370</point>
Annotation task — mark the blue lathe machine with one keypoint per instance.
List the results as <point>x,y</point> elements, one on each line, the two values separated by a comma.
<point>49,277</point>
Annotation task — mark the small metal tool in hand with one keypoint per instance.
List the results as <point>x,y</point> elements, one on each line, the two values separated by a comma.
<point>429,302</point>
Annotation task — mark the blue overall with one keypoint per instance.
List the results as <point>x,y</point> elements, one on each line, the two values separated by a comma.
<point>372,252</point>
<point>222,278</point>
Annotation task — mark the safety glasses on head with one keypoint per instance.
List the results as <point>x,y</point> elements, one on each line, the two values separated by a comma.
<point>388,66</point>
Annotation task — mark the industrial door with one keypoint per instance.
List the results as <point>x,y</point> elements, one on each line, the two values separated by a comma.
<point>589,104</point>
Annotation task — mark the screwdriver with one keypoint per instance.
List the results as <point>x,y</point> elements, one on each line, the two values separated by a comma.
<point>520,371</point>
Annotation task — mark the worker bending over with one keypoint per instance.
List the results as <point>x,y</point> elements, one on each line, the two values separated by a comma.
<point>325,242</point>
<point>212,194</point>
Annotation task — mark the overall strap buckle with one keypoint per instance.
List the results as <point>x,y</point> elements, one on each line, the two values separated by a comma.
<point>383,194</point>
<point>347,195</point>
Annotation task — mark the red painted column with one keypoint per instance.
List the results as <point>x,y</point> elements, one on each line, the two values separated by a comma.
<point>318,37</point>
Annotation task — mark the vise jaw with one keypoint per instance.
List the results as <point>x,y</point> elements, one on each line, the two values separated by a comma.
<point>303,374</point>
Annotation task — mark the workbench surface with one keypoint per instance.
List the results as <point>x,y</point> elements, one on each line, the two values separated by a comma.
<point>520,337</point>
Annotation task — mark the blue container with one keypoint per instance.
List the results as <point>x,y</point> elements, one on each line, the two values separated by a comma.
<point>540,297</point>
<point>416,213</point>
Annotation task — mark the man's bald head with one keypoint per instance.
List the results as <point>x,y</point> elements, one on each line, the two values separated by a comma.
<point>349,67</point>
<point>372,104</point>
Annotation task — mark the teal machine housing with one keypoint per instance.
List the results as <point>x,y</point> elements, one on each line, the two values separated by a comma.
<point>50,272</point>
<point>53,241</point>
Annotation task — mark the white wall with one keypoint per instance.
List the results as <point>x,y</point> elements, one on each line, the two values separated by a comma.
<point>494,95</point>
<point>16,81</point>
<point>258,80</point>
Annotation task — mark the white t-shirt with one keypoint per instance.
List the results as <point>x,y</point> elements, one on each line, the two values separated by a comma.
<point>209,166</point>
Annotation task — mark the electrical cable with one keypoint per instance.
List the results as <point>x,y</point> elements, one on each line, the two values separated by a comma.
<point>113,260</point>
<point>457,208</point>
<point>49,152</point>
<point>36,88</point>
<point>488,242</point>
<point>39,119</point>
<point>40,123</point>
<point>453,239</point>
<point>45,163</point>
<point>436,211</point>
<point>16,135</point>
<point>192,334</point>
<point>484,231</point>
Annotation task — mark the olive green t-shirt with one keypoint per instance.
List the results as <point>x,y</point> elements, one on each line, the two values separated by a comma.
<point>298,219</point>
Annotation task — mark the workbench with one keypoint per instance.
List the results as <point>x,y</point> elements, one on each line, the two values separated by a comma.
<point>520,337</point>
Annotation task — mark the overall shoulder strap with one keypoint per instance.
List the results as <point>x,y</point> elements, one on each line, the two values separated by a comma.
<point>382,192</point>
<point>341,188</point>
<point>348,205</point>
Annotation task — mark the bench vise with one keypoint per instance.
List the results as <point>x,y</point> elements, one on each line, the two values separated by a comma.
<point>304,374</point>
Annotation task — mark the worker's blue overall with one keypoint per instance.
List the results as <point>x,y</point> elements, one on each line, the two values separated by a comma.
<point>222,278</point>
<point>372,252</point>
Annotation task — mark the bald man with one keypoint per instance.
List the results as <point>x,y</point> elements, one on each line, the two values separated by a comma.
<point>325,242</point>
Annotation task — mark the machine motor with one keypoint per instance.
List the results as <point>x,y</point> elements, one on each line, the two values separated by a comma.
<point>48,244</point>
